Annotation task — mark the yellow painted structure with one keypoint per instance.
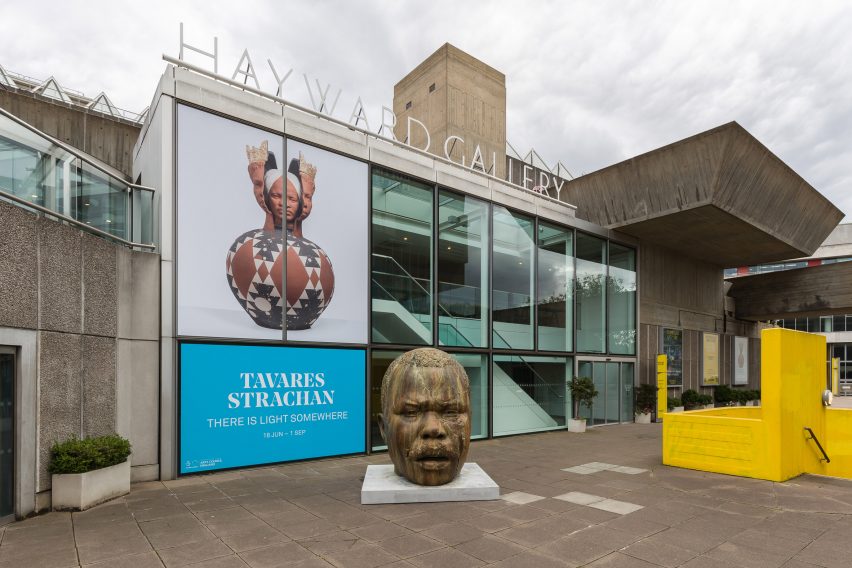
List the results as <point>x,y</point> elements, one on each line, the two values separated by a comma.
<point>770,441</point>
<point>662,385</point>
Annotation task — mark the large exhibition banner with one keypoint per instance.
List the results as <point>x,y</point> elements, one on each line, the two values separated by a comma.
<point>268,239</point>
<point>741,360</point>
<point>332,226</point>
<point>243,405</point>
<point>710,359</point>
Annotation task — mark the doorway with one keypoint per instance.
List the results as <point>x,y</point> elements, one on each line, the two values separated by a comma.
<point>614,383</point>
<point>8,370</point>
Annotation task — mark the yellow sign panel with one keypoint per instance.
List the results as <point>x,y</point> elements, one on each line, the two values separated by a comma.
<point>662,385</point>
<point>711,359</point>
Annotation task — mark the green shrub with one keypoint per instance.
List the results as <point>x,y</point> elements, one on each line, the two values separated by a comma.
<point>705,399</point>
<point>80,456</point>
<point>690,399</point>
<point>672,402</point>
<point>646,399</point>
<point>724,395</point>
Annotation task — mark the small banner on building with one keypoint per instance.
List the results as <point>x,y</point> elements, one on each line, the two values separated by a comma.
<point>741,360</point>
<point>710,359</point>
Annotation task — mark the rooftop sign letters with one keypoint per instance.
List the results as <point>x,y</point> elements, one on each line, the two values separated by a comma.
<point>324,100</point>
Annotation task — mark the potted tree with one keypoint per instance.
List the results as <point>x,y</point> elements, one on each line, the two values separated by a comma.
<point>89,471</point>
<point>583,392</point>
<point>646,399</point>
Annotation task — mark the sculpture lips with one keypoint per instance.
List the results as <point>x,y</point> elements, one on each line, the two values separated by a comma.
<point>432,459</point>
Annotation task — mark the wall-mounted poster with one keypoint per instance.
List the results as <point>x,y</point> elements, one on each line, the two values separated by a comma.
<point>229,235</point>
<point>741,360</point>
<point>269,243</point>
<point>243,405</point>
<point>673,349</point>
<point>710,359</point>
<point>330,229</point>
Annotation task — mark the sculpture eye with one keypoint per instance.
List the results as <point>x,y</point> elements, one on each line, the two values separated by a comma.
<point>451,413</point>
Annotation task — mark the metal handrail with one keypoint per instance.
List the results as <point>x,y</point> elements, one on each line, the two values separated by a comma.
<point>814,438</point>
<point>47,211</point>
<point>530,367</point>
<point>116,175</point>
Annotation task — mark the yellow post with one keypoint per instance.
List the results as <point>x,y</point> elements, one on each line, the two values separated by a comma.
<point>662,386</point>
<point>835,375</point>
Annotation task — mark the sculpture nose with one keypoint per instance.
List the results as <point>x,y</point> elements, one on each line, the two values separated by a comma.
<point>433,427</point>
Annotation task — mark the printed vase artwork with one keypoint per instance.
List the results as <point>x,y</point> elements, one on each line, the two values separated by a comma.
<point>255,275</point>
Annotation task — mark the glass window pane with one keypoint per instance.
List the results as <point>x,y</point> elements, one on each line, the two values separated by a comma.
<point>585,369</point>
<point>102,203</point>
<point>7,432</point>
<point>591,302</point>
<point>379,363</point>
<point>530,393</point>
<point>462,271</point>
<point>621,290</point>
<point>673,348</point>
<point>813,325</point>
<point>476,367</point>
<point>401,260</point>
<point>825,324</point>
<point>613,393</point>
<point>839,323</point>
<point>513,248</point>
<point>555,287</point>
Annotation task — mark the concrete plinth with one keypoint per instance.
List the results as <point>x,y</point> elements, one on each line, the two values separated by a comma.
<point>382,485</point>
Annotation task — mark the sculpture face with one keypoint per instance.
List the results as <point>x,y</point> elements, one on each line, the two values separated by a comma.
<point>256,173</point>
<point>276,200</point>
<point>308,189</point>
<point>425,416</point>
<point>292,202</point>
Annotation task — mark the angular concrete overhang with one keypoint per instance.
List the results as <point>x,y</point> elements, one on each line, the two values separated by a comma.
<point>719,196</point>
<point>817,290</point>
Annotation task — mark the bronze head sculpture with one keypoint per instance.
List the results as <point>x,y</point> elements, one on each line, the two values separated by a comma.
<point>425,418</point>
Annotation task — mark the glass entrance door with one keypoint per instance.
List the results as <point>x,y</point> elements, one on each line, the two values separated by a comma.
<point>614,383</point>
<point>7,435</point>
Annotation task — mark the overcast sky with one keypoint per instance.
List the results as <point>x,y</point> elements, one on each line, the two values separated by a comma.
<point>589,84</point>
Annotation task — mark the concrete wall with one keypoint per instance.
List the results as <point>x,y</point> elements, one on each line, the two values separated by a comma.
<point>468,100</point>
<point>94,306</point>
<point>104,137</point>
<point>682,293</point>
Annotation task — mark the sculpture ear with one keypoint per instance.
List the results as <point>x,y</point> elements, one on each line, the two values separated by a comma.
<point>381,420</point>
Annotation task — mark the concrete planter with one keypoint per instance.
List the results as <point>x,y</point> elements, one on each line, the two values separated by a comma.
<point>577,425</point>
<point>643,418</point>
<point>677,409</point>
<point>80,491</point>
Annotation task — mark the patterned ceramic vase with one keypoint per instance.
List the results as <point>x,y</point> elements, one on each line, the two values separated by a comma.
<point>310,282</point>
<point>255,272</point>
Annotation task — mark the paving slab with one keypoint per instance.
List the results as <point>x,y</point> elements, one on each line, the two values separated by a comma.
<point>309,515</point>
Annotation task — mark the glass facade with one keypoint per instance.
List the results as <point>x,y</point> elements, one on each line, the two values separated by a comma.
<point>401,280</point>
<point>36,170</point>
<point>530,393</point>
<point>591,298</point>
<point>462,270</point>
<point>621,300</point>
<point>519,301</point>
<point>513,279</point>
<point>555,302</point>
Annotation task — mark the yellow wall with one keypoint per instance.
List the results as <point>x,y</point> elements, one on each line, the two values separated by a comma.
<point>769,442</point>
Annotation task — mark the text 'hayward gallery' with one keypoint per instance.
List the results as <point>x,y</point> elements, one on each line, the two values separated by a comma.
<point>296,255</point>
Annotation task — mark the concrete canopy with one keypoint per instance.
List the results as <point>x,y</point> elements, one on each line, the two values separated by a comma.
<point>813,291</point>
<point>719,196</point>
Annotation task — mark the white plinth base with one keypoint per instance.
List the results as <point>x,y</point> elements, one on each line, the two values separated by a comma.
<point>382,485</point>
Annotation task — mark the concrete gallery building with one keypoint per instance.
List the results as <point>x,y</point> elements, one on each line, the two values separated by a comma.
<point>225,278</point>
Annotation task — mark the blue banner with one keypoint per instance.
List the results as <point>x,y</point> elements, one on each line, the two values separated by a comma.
<point>243,405</point>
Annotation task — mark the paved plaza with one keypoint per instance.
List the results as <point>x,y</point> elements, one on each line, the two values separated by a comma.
<point>596,499</point>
